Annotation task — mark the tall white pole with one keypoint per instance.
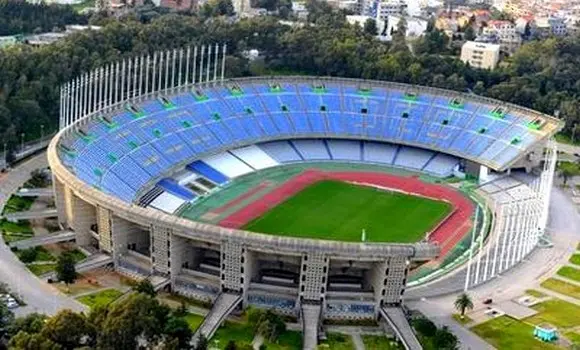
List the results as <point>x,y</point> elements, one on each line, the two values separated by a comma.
<point>111,77</point>
<point>201,64</point>
<point>223,62</point>
<point>135,78</point>
<point>117,77</point>
<point>499,230</point>
<point>167,53</point>
<point>123,70</point>
<point>154,73</point>
<point>86,93</point>
<point>215,62</point>
<point>480,253</point>
<point>141,64</point>
<point>208,63</point>
<point>505,236</point>
<point>106,90</point>
<point>470,261</point>
<point>193,75</point>
<point>60,111</point>
<point>180,69</point>
<point>147,74</point>
<point>187,55</point>
<point>173,58</point>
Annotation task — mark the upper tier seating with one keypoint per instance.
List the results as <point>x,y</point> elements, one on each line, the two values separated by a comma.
<point>125,151</point>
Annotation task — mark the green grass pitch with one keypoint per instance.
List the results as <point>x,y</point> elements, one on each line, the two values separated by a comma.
<point>336,210</point>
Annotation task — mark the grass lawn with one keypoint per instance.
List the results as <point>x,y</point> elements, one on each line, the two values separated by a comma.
<point>464,320</point>
<point>557,312</point>
<point>337,341</point>
<point>380,342</point>
<point>22,226</point>
<point>289,340</point>
<point>77,255</point>
<point>569,272</point>
<point>562,287</point>
<point>535,293</point>
<point>507,333</point>
<point>193,320</point>
<point>103,297</point>
<point>575,259</point>
<point>241,333</point>
<point>41,269</point>
<point>573,337</point>
<point>41,254</point>
<point>16,203</point>
<point>340,211</point>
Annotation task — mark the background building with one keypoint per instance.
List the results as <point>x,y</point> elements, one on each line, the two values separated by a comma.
<point>480,55</point>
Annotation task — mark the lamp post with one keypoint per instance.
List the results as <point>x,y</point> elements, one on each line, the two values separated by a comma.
<point>22,142</point>
<point>42,132</point>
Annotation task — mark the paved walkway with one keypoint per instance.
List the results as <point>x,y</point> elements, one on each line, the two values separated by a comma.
<point>61,236</point>
<point>39,296</point>
<point>32,214</point>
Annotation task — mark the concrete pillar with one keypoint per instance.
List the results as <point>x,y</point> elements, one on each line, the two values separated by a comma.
<point>120,229</point>
<point>233,261</point>
<point>161,248</point>
<point>178,250</point>
<point>395,280</point>
<point>313,276</point>
<point>104,227</point>
<point>83,216</point>
<point>59,199</point>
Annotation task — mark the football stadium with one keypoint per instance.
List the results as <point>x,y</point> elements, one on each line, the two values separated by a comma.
<point>321,198</point>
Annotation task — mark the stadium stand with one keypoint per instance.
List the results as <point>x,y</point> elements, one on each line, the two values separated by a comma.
<point>145,139</point>
<point>254,157</point>
<point>282,151</point>
<point>205,170</point>
<point>228,165</point>
<point>344,149</point>
<point>167,202</point>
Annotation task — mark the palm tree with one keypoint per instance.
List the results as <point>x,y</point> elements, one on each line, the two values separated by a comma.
<point>462,303</point>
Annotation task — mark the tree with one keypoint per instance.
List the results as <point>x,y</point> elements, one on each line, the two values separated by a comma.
<point>566,170</point>
<point>370,27</point>
<point>68,329</point>
<point>31,323</point>
<point>28,255</point>
<point>266,323</point>
<point>144,286</point>
<point>202,343</point>
<point>231,345</point>
<point>462,303</point>
<point>445,340</point>
<point>6,316</point>
<point>177,329</point>
<point>469,33</point>
<point>425,327</point>
<point>65,268</point>
<point>28,341</point>
<point>137,316</point>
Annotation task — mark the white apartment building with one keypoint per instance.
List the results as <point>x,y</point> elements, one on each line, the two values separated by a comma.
<point>480,55</point>
<point>506,32</point>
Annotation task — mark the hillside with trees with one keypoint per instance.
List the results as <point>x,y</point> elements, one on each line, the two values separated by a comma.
<point>541,75</point>
<point>20,17</point>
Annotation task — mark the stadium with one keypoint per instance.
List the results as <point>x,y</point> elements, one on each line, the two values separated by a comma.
<point>321,198</point>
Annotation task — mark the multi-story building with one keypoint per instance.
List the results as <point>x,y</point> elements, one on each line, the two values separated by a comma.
<point>382,9</point>
<point>480,55</point>
<point>508,37</point>
<point>551,26</point>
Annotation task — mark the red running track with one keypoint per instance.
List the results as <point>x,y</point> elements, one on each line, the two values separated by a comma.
<point>447,234</point>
